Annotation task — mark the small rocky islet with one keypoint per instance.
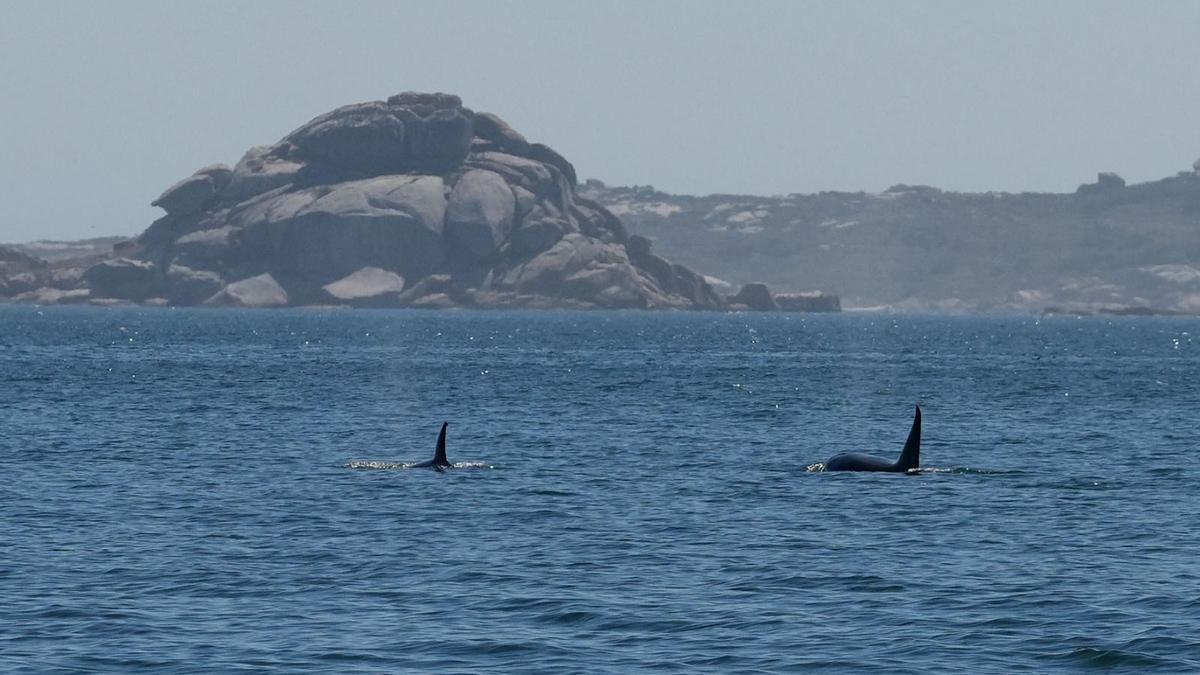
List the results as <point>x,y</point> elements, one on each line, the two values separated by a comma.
<point>416,201</point>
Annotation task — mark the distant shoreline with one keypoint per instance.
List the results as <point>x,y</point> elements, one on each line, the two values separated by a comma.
<point>873,312</point>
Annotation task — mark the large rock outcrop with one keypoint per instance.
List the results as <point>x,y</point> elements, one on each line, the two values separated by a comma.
<point>259,291</point>
<point>756,296</point>
<point>123,278</point>
<point>412,201</point>
<point>193,193</point>
<point>369,286</point>
<point>479,214</point>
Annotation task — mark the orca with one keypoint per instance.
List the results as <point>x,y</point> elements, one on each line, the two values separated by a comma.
<point>910,456</point>
<point>439,460</point>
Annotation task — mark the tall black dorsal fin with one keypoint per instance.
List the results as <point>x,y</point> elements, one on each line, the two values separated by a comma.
<point>439,455</point>
<point>910,456</point>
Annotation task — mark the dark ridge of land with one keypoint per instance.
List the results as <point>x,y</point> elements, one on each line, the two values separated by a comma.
<point>1108,247</point>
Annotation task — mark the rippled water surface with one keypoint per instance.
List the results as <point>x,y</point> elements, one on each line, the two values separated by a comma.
<point>212,491</point>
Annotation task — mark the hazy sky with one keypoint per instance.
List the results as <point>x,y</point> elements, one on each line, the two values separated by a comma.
<point>107,103</point>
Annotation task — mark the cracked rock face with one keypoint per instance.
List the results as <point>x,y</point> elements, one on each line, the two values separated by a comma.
<point>411,201</point>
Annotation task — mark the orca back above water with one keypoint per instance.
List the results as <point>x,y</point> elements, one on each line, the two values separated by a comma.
<point>910,456</point>
<point>439,460</point>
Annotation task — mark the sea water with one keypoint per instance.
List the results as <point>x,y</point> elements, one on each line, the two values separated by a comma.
<point>225,491</point>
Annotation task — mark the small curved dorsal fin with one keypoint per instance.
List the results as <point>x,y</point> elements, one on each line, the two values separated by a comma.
<point>439,455</point>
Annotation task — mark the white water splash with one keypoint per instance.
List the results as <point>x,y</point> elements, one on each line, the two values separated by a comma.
<point>381,465</point>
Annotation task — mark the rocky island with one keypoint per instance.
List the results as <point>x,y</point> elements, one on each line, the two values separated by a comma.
<point>418,201</point>
<point>415,201</point>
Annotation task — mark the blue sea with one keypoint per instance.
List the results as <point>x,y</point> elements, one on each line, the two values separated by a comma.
<point>199,491</point>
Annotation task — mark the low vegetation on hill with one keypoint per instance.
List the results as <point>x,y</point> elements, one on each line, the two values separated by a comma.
<point>1108,246</point>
